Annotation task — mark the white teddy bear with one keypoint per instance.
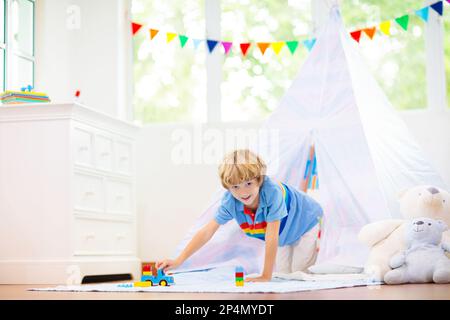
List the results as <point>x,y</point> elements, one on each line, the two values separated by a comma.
<point>424,260</point>
<point>386,238</point>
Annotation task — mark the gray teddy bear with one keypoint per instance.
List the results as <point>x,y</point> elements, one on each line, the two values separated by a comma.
<point>425,259</point>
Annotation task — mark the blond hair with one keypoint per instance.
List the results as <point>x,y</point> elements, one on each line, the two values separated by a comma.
<point>239,166</point>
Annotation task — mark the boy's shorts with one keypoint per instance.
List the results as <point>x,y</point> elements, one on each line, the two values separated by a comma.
<point>300,255</point>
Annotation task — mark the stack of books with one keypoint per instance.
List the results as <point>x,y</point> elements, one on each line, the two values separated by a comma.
<point>17,97</point>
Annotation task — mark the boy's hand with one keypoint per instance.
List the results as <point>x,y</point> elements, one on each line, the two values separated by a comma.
<point>167,264</point>
<point>259,279</point>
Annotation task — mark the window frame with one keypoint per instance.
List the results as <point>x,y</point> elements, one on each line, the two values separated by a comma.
<point>16,52</point>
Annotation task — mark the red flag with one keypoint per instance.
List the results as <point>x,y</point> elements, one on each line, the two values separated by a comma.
<point>356,35</point>
<point>135,27</point>
<point>244,48</point>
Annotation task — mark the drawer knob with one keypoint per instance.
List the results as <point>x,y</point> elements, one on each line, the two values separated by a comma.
<point>83,148</point>
<point>89,193</point>
<point>90,236</point>
<point>123,158</point>
<point>120,236</point>
<point>105,154</point>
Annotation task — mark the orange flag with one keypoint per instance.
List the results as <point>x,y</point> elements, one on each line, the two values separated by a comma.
<point>153,33</point>
<point>370,32</point>
<point>263,46</point>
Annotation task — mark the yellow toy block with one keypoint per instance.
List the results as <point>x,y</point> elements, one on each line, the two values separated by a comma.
<point>143,284</point>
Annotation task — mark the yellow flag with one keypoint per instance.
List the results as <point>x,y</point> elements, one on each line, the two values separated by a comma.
<point>277,46</point>
<point>170,36</point>
<point>385,27</point>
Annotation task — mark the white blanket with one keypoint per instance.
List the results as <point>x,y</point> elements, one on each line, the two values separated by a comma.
<point>223,280</point>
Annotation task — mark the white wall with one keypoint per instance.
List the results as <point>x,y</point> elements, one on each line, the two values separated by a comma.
<point>170,197</point>
<point>85,45</point>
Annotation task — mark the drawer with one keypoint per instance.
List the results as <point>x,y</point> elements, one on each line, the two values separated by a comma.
<point>82,147</point>
<point>103,153</point>
<point>93,237</point>
<point>89,193</point>
<point>123,160</point>
<point>118,197</point>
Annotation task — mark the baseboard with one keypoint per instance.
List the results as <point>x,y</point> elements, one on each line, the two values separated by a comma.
<point>66,272</point>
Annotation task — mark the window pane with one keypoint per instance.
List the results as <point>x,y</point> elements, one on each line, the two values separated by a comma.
<point>2,70</point>
<point>253,85</point>
<point>2,21</point>
<point>21,73</point>
<point>169,81</point>
<point>446,21</point>
<point>22,26</point>
<point>397,62</point>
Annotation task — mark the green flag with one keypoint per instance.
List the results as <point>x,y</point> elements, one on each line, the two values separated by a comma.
<point>403,21</point>
<point>183,40</point>
<point>292,45</point>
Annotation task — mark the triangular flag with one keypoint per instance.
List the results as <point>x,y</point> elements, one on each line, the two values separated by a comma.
<point>211,45</point>
<point>370,32</point>
<point>385,27</point>
<point>153,33</point>
<point>277,46</point>
<point>170,36</point>
<point>135,27</point>
<point>423,13</point>
<point>356,35</point>
<point>292,45</point>
<point>263,46</point>
<point>403,21</point>
<point>227,46</point>
<point>309,43</point>
<point>244,48</point>
<point>183,40</point>
<point>196,43</point>
<point>438,7</point>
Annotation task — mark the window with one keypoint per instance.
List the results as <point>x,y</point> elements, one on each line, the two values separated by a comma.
<point>446,21</point>
<point>17,44</point>
<point>253,85</point>
<point>398,62</point>
<point>170,81</point>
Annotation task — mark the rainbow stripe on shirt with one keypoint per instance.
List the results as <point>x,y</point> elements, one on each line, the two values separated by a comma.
<point>258,230</point>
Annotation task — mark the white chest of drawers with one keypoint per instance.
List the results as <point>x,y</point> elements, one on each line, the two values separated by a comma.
<point>67,194</point>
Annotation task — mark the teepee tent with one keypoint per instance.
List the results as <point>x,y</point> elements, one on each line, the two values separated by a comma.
<point>363,156</point>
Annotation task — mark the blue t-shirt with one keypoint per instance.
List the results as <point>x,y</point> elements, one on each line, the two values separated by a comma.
<point>297,211</point>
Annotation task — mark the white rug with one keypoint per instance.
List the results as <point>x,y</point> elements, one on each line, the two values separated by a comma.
<point>222,280</point>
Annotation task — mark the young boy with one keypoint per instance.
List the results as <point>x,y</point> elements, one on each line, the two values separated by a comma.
<point>273,212</point>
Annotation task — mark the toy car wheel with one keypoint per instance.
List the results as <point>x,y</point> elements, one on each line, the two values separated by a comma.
<point>163,283</point>
<point>151,283</point>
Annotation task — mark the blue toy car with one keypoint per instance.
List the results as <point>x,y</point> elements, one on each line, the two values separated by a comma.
<point>156,278</point>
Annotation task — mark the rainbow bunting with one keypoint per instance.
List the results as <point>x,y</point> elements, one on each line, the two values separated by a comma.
<point>277,46</point>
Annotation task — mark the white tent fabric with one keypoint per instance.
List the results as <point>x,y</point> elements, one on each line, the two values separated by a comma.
<point>365,155</point>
